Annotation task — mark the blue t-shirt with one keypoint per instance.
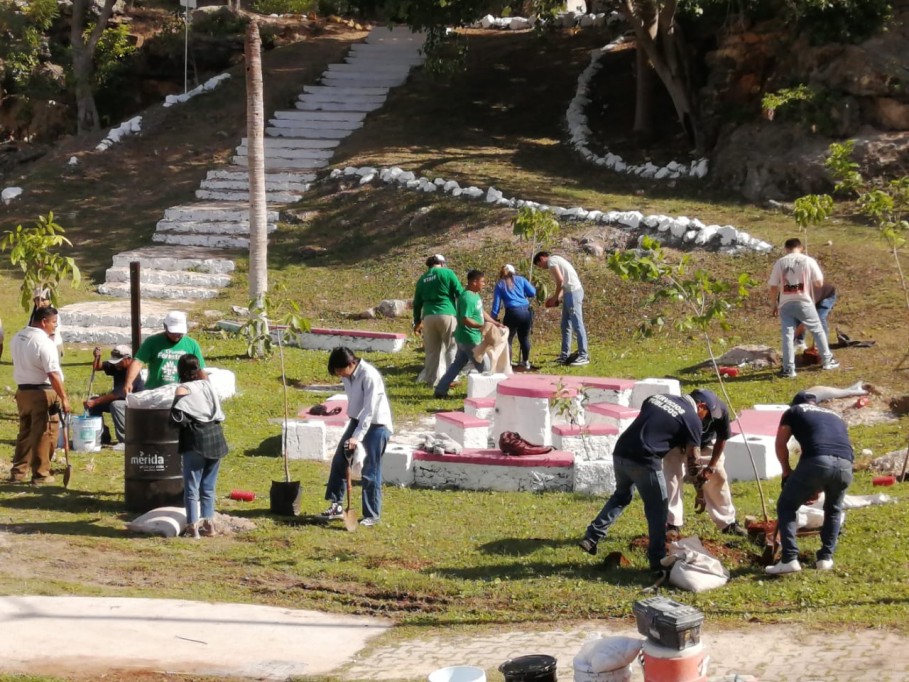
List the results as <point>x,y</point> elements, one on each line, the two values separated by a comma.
<point>516,297</point>
<point>820,432</point>
<point>665,422</point>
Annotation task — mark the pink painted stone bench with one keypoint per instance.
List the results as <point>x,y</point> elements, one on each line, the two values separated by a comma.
<point>465,429</point>
<point>617,416</point>
<point>485,469</point>
<point>484,408</point>
<point>757,422</point>
<point>591,442</point>
<point>339,419</point>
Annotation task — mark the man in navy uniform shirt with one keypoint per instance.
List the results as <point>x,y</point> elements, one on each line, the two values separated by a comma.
<point>664,422</point>
<point>825,465</point>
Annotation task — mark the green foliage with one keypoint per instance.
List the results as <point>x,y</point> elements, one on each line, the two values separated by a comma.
<point>24,44</point>
<point>31,250</point>
<point>809,106</point>
<point>112,52</point>
<point>256,331</point>
<point>220,25</point>
<point>812,209</point>
<point>446,53</point>
<point>539,228</point>
<point>843,169</point>
<point>283,6</point>
<point>852,21</point>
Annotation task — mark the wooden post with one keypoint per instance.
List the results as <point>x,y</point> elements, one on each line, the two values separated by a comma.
<point>135,305</point>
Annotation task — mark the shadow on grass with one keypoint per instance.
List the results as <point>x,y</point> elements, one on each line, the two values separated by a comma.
<point>546,569</point>
<point>56,498</point>
<point>270,447</point>
<point>522,546</point>
<point>82,528</point>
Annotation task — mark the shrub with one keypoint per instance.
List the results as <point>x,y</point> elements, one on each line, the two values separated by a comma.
<point>283,6</point>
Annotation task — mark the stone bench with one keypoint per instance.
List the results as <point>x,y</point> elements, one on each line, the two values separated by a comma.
<point>314,436</point>
<point>645,388</point>
<point>617,416</point>
<point>483,469</point>
<point>482,408</point>
<point>355,339</point>
<point>756,422</point>
<point>465,429</point>
<point>586,443</point>
<point>526,405</point>
<point>738,463</point>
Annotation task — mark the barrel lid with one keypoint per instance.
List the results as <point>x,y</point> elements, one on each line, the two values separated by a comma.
<point>534,663</point>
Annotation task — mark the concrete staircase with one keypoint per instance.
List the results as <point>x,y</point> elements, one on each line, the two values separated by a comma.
<point>184,264</point>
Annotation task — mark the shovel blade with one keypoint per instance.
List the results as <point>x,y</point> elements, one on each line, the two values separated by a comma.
<point>67,474</point>
<point>350,520</point>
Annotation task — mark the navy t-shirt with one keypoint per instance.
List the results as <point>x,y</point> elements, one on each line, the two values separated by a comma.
<point>665,422</point>
<point>118,373</point>
<point>716,429</point>
<point>820,432</point>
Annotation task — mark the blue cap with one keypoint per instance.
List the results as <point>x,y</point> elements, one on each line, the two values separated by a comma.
<point>710,399</point>
<point>803,397</point>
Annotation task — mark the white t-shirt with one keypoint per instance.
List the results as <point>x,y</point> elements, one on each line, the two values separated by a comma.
<point>570,280</point>
<point>34,356</point>
<point>795,274</point>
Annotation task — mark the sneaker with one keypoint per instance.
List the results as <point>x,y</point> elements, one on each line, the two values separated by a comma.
<point>579,361</point>
<point>119,447</point>
<point>43,480</point>
<point>735,529</point>
<point>369,521</point>
<point>334,511</point>
<point>588,546</point>
<point>787,373</point>
<point>527,366</point>
<point>562,360</point>
<point>824,565</point>
<point>784,567</point>
<point>830,364</point>
<point>192,531</point>
<point>207,528</point>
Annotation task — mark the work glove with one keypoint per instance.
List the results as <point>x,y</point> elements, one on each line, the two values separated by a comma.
<point>705,475</point>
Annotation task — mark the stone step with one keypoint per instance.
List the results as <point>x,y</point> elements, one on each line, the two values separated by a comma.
<point>272,197</point>
<point>208,212</point>
<point>213,227</point>
<point>309,133</point>
<point>111,314</point>
<point>283,162</point>
<point>237,179</point>
<point>210,241</point>
<point>341,98</point>
<point>337,106</point>
<point>361,80</point>
<point>177,277</point>
<point>372,57</point>
<point>370,67</point>
<point>104,335</point>
<point>291,153</point>
<point>296,115</point>
<point>160,291</point>
<point>314,125</point>
<point>341,91</point>
<point>301,143</point>
<point>175,258</point>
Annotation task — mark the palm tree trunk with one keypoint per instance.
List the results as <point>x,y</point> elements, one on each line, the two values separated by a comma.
<point>255,133</point>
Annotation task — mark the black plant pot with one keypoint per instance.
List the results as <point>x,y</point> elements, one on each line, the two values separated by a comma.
<point>285,497</point>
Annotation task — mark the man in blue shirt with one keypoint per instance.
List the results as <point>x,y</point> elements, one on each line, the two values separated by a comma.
<point>825,465</point>
<point>664,422</point>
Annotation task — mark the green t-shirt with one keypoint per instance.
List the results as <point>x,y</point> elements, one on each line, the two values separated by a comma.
<point>469,305</point>
<point>436,292</point>
<point>161,356</point>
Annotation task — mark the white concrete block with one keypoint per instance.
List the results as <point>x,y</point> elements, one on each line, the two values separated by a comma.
<point>469,435</point>
<point>738,462</point>
<point>483,385</point>
<point>594,477</point>
<point>771,408</point>
<point>481,408</point>
<point>397,465</point>
<point>601,395</point>
<point>587,447</point>
<point>223,381</point>
<point>647,387</point>
<point>529,417</point>
<point>449,475</point>
<point>306,440</point>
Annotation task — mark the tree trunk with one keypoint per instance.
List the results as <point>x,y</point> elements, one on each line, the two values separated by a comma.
<point>87,119</point>
<point>643,103</point>
<point>255,133</point>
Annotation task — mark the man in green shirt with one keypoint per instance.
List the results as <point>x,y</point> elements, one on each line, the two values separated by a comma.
<point>434,316</point>
<point>471,318</point>
<point>161,353</point>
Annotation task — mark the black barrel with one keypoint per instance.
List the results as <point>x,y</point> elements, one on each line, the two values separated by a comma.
<point>153,471</point>
<point>534,668</point>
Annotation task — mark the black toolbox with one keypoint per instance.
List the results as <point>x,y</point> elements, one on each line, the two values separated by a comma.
<point>668,623</point>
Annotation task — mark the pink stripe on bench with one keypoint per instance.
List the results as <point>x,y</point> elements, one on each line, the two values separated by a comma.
<point>555,459</point>
<point>466,421</point>
<point>606,384</point>
<point>757,422</point>
<point>480,403</point>
<point>333,420</point>
<point>612,410</point>
<point>588,430</point>
<point>540,386</point>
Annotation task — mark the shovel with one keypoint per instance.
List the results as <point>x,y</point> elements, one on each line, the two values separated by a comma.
<point>68,470</point>
<point>91,382</point>
<point>350,516</point>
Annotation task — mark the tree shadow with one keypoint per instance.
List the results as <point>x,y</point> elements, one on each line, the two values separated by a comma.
<point>270,447</point>
<point>56,498</point>
<point>80,528</point>
<point>521,546</point>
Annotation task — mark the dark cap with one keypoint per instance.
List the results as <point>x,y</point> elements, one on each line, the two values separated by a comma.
<point>709,398</point>
<point>803,397</point>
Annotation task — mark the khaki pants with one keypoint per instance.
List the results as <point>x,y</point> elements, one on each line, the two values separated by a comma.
<point>38,431</point>
<point>439,345</point>
<point>717,495</point>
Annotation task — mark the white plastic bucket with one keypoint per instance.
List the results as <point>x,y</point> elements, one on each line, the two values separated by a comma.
<point>458,673</point>
<point>619,675</point>
<point>85,433</point>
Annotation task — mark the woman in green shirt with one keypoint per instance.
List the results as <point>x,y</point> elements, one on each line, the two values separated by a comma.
<point>434,316</point>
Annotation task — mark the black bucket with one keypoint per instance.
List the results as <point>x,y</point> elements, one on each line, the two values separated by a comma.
<point>152,464</point>
<point>285,497</point>
<point>534,668</point>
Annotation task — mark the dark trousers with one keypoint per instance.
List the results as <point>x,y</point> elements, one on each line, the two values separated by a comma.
<point>374,443</point>
<point>519,322</point>
<point>38,431</point>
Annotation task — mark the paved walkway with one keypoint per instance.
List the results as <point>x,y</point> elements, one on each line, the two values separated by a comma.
<point>94,635</point>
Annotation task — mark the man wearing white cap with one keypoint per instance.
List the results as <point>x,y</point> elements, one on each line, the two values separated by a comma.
<point>121,358</point>
<point>161,353</point>
<point>435,317</point>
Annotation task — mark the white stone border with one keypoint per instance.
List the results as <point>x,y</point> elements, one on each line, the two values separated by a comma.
<point>207,86</point>
<point>562,20</point>
<point>130,127</point>
<point>579,132</point>
<point>8,194</point>
<point>681,229</point>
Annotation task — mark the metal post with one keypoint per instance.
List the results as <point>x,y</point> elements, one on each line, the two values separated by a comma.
<point>135,305</point>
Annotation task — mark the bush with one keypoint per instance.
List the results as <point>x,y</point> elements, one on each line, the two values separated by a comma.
<point>283,6</point>
<point>848,21</point>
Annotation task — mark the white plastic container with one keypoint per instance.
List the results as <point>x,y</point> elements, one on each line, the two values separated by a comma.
<point>85,432</point>
<point>458,673</point>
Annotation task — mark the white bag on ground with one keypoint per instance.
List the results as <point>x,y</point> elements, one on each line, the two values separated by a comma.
<point>604,654</point>
<point>693,568</point>
<point>166,521</point>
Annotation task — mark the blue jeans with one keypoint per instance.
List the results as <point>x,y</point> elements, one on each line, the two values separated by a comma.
<point>651,487</point>
<point>462,357</point>
<point>519,322</point>
<point>832,475</point>
<point>573,320</point>
<point>374,443</point>
<point>793,313</point>
<point>200,475</point>
<point>823,310</point>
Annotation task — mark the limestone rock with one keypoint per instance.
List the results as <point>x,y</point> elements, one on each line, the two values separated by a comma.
<point>393,307</point>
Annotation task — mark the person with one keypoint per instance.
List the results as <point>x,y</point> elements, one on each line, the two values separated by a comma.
<point>435,316</point>
<point>161,352</point>
<point>664,422</point>
<point>41,299</point>
<point>791,282</point>
<point>40,397</point>
<point>711,476</point>
<point>514,293</point>
<point>570,294</point>
<point>825,465</point>
<point>197,411</point>
<point>121,357</point>
<point>471,318</point>
<point>370,425</point>
<point>824,298</point>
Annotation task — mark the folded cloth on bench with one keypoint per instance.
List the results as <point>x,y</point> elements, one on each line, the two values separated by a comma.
<point>494,344</point>
<point>511,443</point>
<point>440,444</point>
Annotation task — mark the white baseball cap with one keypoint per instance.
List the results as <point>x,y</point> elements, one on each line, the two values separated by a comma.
<point>118,353</point>
<point>509,268</point>
<point>439,258</point>
<point>175,322</point>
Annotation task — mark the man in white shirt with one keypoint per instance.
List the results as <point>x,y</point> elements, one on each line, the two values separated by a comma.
<point>792,283</point>
<point>570,294</point>
<point>40,397</point>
